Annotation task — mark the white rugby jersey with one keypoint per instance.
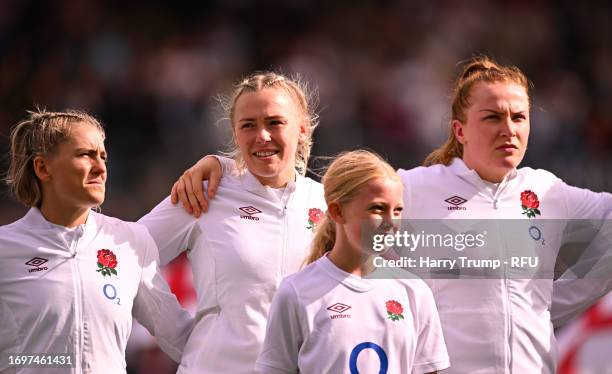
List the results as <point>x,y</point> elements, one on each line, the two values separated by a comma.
<point>239,252</point>
<point>325,320</point>
<point>75,291</point>
<point>497,325</point>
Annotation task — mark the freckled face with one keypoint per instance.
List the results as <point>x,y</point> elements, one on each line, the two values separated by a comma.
<point>496,130</point>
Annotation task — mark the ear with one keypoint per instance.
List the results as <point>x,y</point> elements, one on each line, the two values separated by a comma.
<point>41,168</point>
<point>458,130</point>
<point>335,213</point>
<point>303,132</point>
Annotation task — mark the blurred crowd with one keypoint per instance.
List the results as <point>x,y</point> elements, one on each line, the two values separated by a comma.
<point>151,71</point>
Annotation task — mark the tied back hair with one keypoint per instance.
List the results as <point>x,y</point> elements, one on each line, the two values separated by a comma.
<point>304,97</point>
<point>476,70</point>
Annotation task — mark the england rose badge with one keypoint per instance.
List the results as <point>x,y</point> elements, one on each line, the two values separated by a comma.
<point>530,204</point>
<point>395,310</point>
<point>315,215</point>
<point>107,262</point>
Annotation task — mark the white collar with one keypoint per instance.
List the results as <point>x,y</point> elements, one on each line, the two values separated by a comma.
<point>34,219</point>
<point>252,184</point>
<point>351,281</point>
<point>459,168</point>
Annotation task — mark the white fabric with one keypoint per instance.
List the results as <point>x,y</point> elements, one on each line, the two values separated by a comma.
<point>238,260</point>
<point>66,306</point>
<point>305,336</point>
<point>497,325</point>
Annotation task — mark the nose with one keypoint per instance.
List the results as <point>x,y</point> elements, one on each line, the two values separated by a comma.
<point>99,165</point>
<point>263,135</point>
<point>389,221</point>
<point>508,128</point>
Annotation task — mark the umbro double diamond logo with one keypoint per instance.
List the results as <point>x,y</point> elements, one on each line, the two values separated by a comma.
<point>456,201</point>
<point>339,309</point>
<point>36,263</point>
<point>250,211</point>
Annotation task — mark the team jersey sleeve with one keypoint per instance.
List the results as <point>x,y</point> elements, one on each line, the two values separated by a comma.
<point>157,308</point>
<point>284,336</point>
<point>173,229</point>
<point>431,354</point>
<point>589,275</point>
<point>228,165</point>
<point>8,336</point>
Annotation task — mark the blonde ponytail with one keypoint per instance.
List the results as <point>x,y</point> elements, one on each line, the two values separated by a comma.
<point>324,239</point>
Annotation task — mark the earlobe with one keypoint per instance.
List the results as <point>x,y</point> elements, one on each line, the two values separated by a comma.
<point>41,168</point>
<point>457,127</point>
<point>334,210</point>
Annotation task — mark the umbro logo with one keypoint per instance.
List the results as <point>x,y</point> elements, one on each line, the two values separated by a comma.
<point>250,212</point>
<point>339,309</point>
<point>456,201</point>
<point>36,262</point>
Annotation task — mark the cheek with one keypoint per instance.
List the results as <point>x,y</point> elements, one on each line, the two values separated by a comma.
<point>241,140</point>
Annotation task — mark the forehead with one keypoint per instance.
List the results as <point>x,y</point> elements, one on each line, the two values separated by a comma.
<point>499,95</point>
<point>266,102</point>
<point>386,188</point>
<point>85,135</point>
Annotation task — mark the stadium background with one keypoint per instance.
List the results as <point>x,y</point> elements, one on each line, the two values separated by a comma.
<point>151,70</point>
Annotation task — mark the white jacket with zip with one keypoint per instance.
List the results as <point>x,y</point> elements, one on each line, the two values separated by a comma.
<point>500,325</point>
<point>54,298</point>
<point>240,250</point>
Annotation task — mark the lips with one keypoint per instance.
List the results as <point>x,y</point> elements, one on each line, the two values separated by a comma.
<point>507,147</point>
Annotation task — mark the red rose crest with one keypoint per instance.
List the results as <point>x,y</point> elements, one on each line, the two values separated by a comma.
<point>107,262</point>
<point>530,204</point>
<point>315,215</point>
<point>394,310</point>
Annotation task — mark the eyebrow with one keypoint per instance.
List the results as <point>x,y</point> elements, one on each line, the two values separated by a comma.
<point>89,149</point>
<point>266,118</point>
<point>499,112</point>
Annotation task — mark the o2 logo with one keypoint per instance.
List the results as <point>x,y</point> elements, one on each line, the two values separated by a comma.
<point>110,292</point>
<point>536,234</point>
<point>382,356</point>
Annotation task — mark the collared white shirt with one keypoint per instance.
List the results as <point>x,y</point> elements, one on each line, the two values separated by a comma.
<point>324,320</point>
<point>497,325</point>
<point>240,250</point>
<point>56,298</point>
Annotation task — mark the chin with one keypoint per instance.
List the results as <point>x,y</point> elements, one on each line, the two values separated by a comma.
<point>509,162</point>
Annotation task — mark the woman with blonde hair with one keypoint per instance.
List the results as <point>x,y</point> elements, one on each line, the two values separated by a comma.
<point>72,278</point>
<point>330,318</point>
<point>257,229</point>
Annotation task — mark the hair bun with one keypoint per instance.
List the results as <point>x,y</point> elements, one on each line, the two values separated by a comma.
<point>478,64</point>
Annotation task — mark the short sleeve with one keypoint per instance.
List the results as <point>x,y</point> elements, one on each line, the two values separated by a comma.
<point>284,335</point>
<point>157,308</point>
<point>431,354</point>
